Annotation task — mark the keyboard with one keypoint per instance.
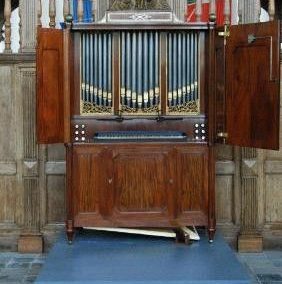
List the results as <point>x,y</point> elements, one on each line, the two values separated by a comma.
<point>140,136</point>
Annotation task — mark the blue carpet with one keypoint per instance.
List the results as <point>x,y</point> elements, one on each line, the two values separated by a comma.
<point>109,258</point>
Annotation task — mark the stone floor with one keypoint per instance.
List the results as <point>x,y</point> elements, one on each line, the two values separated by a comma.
<point>265,268</point>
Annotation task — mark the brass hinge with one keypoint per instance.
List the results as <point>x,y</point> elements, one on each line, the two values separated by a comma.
<point>225,33</point>
<point>223,136</point>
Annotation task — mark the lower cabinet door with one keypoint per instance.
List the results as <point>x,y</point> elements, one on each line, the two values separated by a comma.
<point>92,185</point>
<point>142,196</point>
<point>191,165</point>
<point>139,186</point>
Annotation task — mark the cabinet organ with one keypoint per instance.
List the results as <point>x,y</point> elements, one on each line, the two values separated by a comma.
<point>139,108</point>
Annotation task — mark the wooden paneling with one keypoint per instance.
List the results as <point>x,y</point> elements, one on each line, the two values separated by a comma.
<point>92,181</point>
<point>252,85</point>
<point>140,181</point>
<point>139,185</point>
<point>7,103</point>
<point>8,199</point>
<point>50,95</point>
<point>192,181</point>
<point>56,208</point>
<point>273,199</point>
<point>224,199</point>
<point>191,187</point>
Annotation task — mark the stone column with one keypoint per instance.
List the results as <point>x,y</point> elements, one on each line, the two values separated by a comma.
<point>250,238</point>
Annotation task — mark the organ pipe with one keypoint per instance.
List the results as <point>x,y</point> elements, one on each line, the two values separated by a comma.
<point>140,72</point>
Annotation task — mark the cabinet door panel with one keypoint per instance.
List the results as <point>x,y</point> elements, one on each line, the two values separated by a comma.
<point>92,168</point>
<point>192,184</point>
<point>140,184</point>
<point>252,85</point>
<point>53,89</point>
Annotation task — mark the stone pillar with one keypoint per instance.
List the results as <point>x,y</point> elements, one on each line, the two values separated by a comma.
<point>28,15</point>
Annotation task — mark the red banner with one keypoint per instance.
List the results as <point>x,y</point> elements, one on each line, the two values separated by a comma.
<point>191,9</point>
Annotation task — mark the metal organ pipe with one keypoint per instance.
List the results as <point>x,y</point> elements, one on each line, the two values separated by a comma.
<point>174,74</point>
<point>105,70</point>
<point>151,68</point>
<point>183,69</point>
<point>128,69</point>
<point>91,73</point>
<point>145,73</point>
<point>170,72</point>
<point>100,63</point>
<point>134,71</point>
<point>95,68</point>
<point>179,69</point>
<point>156,77</point>
<point>109,51</point>
<point>96,71</point>
<point>140,72</point>
<point>184,62</point>
<point>123,67</point>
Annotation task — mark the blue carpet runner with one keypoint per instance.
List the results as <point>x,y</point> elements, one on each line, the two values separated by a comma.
<point>110,258</point>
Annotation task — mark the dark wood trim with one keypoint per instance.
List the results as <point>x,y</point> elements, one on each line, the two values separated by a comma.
<point>211,85</point>
<point>76,75</point>
<point>67,84</point>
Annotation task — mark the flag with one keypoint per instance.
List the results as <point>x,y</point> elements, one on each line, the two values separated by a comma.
<point>191,11</point>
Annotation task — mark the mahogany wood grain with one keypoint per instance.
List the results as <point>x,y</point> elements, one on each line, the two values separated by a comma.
<point>140,185</point>
<point>68,82</point>
<point>252,85</point>
<point>191,174</point>
<point>50,86</point>
<point>219,99</point>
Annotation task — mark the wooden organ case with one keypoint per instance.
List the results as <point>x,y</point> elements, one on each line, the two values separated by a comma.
<point>139,108</point>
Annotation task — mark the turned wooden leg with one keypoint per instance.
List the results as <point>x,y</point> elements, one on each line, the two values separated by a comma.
<point>70,231</point>
<point>211,235</point>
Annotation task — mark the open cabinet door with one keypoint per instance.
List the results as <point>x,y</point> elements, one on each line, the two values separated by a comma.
<point>51,91</point>
<point>252,86</point>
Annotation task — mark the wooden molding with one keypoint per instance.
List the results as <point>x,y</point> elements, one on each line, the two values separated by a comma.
<point>30,243</point>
